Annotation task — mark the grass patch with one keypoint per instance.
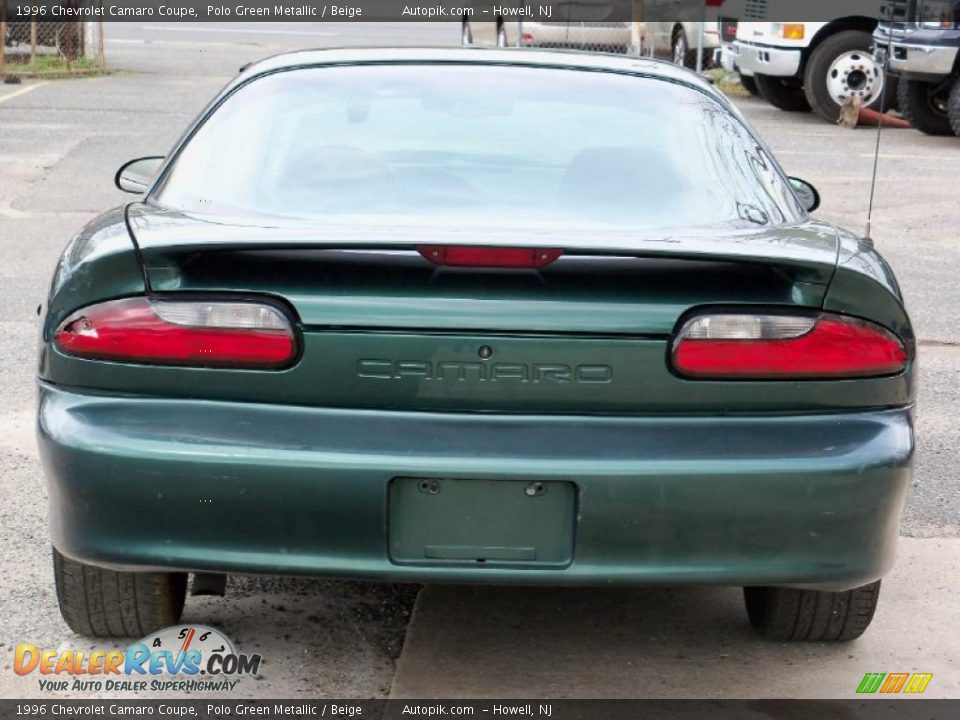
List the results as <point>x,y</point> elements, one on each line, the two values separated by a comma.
<point>51,66</point>
<point>728,83</point>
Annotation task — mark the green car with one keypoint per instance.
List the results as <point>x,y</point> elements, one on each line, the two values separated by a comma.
<point>473,316</point>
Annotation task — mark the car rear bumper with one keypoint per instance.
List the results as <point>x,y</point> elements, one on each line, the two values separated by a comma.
<point>141,483</point>
<point>766,60</point>
<point>725,57</point>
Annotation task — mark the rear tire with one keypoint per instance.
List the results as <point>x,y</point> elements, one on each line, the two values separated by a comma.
<point>811,615</point>
<point>783,93</point>
<point>953,107</point>
<point>842,66</point>
<point>106,603</point>
<point>680,49</point>
<point>749,84</point>
<point>925,106</point>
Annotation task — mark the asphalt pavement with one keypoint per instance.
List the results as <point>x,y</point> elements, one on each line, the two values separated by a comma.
<point>672,642</point>
<point>60,144</point>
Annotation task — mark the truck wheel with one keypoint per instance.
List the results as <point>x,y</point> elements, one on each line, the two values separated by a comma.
<point>811,615</point>
<point>749,84</point>
<point>783,93</point>
<point>953,107</point>
<point>105,603</point>
<point>925,106</point>
<point>841,68</point>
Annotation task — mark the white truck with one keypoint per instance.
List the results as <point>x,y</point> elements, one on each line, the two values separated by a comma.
<point>812,65</point>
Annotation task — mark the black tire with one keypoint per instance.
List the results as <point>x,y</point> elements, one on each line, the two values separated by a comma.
<point>890,94</point>
<point>953,108</point>
<point>105,603</point>
<point>925,106</point>
<point>857,44</point>
<point>749,84</point>
<point>811,615</point>
<point>783,93</point>
<point>680,52</point>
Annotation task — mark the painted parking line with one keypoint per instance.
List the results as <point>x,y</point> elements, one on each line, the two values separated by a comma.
<point>22,91</point>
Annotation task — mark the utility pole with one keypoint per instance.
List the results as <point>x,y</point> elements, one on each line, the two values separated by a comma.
<point>700,38</point>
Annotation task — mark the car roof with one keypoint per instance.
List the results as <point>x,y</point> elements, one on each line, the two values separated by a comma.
<point>527,57</point>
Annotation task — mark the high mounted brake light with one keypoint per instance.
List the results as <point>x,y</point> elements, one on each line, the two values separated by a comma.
<point>489,257</point>
<point>745,346</point>
<point>202,333</point>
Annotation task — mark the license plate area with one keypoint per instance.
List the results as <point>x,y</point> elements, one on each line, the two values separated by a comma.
<point>481,523</point>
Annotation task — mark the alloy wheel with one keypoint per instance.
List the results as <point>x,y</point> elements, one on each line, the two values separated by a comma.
<point>853,74</point>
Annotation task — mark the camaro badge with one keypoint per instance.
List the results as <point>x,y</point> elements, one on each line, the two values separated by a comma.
<point>456,371</point>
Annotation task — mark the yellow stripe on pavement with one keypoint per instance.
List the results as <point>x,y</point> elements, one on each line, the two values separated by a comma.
<point>22,91</point>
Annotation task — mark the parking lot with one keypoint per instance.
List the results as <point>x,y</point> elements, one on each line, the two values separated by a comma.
<point>60,144</point>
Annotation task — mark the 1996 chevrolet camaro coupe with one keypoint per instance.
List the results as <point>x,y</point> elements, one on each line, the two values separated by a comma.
<point>481,316</point>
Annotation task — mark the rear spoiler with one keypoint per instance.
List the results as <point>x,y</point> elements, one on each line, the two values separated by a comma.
<point>809,250</point>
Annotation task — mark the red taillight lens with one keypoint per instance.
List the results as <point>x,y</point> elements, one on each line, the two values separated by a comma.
<point>219,333</point>
<point>782,347</point>
<point>489,257</point>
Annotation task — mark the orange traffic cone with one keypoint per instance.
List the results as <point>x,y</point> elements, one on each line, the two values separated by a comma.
<point>867,116</point>
<point>853,114</point>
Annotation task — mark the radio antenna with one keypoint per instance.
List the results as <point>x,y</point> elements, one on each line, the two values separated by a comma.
<point>883,97</point>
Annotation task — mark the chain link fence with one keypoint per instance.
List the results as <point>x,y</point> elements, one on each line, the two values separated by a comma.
<point>663,39</point>
<point>39,48</point>
<point>33,38</point>
<point>597,36</point>
<point>682,31</point>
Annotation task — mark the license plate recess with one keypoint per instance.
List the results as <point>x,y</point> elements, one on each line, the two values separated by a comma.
<point>481,522</point>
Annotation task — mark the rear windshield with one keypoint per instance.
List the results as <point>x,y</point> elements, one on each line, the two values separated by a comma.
<point>467,145</point>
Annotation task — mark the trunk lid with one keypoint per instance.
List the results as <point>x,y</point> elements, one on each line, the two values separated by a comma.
<point>351,276</point>
<point>384,328</point>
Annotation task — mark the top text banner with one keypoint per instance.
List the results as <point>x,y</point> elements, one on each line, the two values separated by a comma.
<point>563,11</point>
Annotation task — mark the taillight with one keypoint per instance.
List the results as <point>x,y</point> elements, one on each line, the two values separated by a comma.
<point>489,257</point>
<point>782,347</point>
<point>202,333</point>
